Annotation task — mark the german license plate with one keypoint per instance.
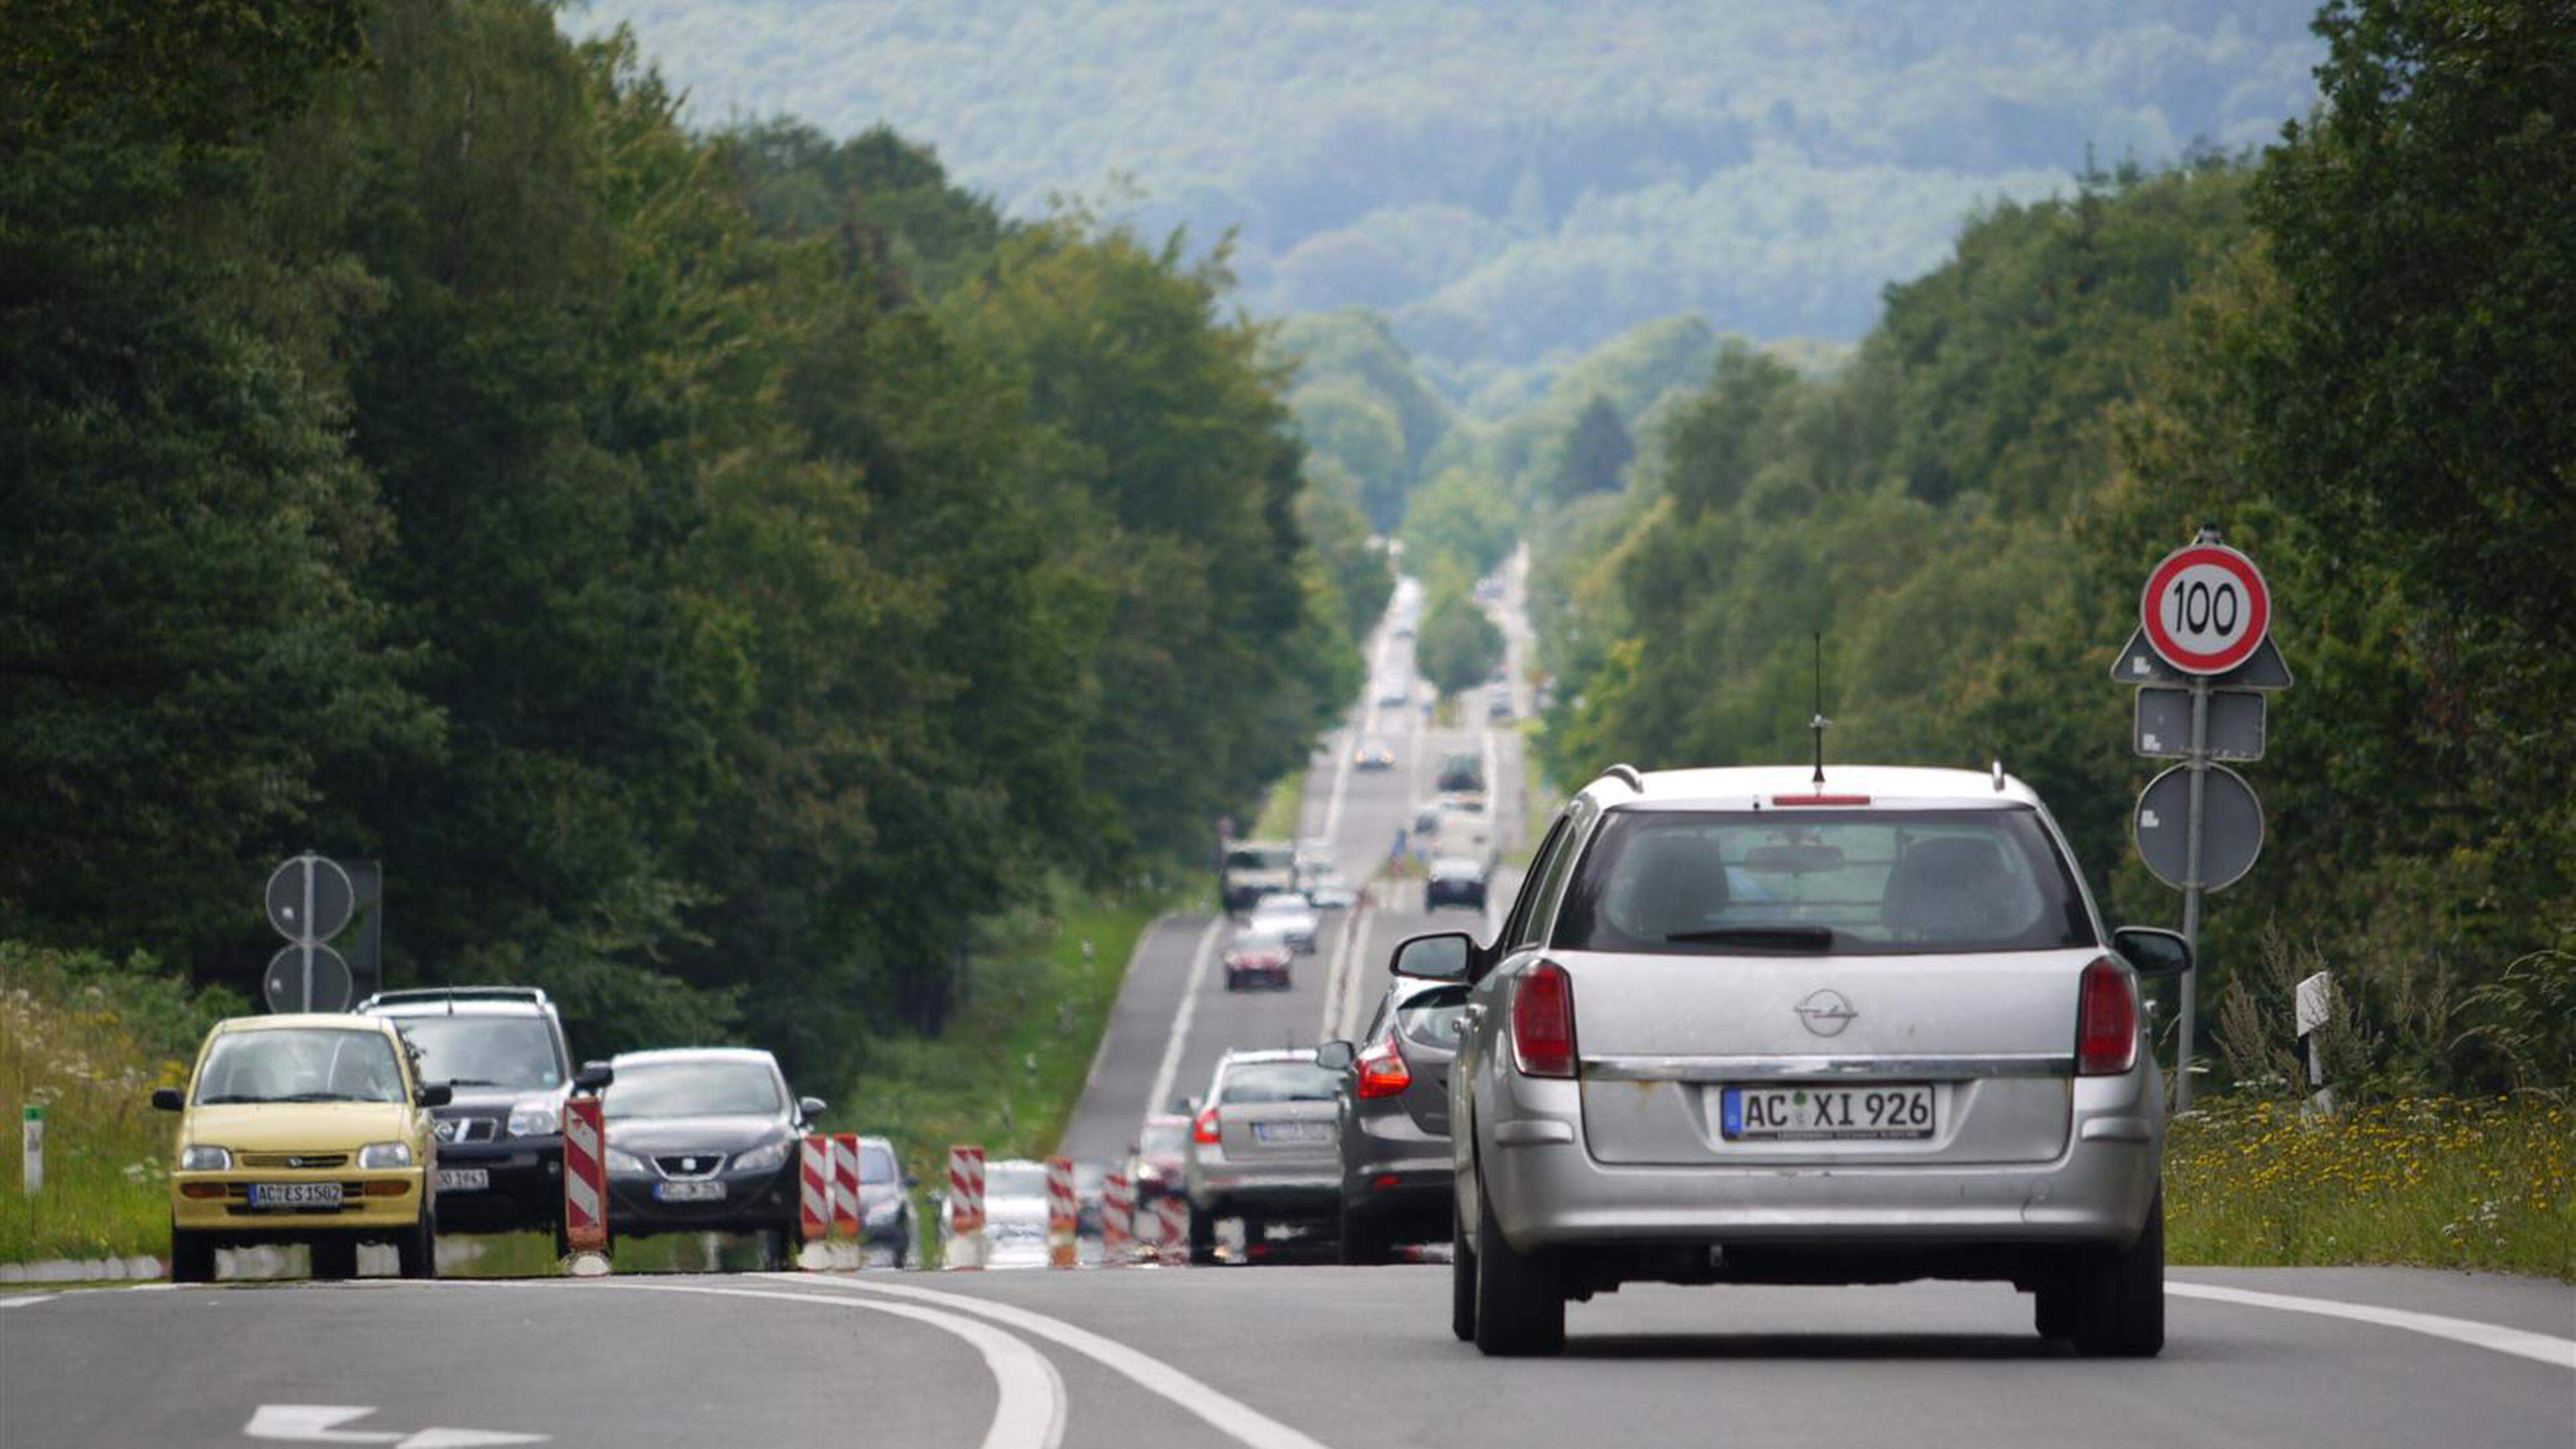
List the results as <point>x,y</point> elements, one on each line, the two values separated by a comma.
<point>464,1179</point>
<point>1290,1132</point>
<point>1817,1114</point>
<point>689,1191</point>
<point>295,1194</point>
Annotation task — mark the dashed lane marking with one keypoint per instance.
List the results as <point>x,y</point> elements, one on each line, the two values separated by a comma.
<point>1230,1416</point>
<point>1161,1092</point>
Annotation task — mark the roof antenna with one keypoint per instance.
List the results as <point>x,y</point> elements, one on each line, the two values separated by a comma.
<point>1819,723</point>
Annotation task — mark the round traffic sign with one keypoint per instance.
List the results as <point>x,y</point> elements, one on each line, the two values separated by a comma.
<point>283,986</point>
<point>2231,827</point>
<point>319,915</point>
<point>2205,609</point>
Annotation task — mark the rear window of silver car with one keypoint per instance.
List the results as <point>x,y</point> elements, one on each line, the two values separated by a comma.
<point>1433,1017</point>
<point>1813,882</point>
<point>1260,1083</point>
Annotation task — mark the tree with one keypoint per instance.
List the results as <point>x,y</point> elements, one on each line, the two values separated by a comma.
<point>1458,646</point>
<point>1597,447</point>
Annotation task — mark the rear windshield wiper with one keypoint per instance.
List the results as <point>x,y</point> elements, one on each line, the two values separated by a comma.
<point>1776,938</point>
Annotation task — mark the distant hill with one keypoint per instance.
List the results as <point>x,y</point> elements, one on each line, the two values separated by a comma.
<point>1507,182</point>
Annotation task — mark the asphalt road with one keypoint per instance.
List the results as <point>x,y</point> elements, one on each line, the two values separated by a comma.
<point>1274,1357</point>
<point>1278,1358</point>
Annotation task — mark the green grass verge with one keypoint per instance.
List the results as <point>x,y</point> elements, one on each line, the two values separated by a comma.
<point>1283,811</point>
<point>2440,1183</point>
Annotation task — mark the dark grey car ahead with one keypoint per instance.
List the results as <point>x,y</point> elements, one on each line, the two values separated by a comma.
<point>1394,1119</point>
<point>705,1140</point>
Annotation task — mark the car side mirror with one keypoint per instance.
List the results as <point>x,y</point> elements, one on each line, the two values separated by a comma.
<point>593,1077</point>
<point>1336,1056</point>
<point>435,1094</point>
<point>168,1099</point>
<point>810,1108</point>
<point>2153,950</point>
<point>1439,956</point>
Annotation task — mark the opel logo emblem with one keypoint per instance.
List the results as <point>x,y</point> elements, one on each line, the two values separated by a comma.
<point>1826,1013</point>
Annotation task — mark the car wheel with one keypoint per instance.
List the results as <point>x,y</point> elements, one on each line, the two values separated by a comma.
<point>192,1256</point>
<point>1364,1238</point>
<point>1462,1279</point>
<point>417,1253</point>
<point>335,1256</point>
<point>1520,1309</point>
<point>1202,1237</point>
<point>2119,1294</point>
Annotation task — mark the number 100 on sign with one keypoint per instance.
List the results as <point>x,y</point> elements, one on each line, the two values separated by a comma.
<point>2206,609</point>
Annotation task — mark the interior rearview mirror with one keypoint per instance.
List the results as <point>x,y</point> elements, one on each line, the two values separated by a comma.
<point>1336,1056</point>
<point>436,1094</point>
<point>2154,951</point>
<point>1439,956</point>
<point>168,1099</point>
<point>593,1077</point>
<point>810,1108</point>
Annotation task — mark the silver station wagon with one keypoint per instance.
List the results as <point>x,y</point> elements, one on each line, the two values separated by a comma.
<point>1743,1027</point>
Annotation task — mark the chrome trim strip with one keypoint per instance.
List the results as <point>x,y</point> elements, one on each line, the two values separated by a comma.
<point>1818,1068</point>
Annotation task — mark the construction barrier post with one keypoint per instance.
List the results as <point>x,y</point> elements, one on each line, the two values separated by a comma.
<point>1117,1226</point>
<point>1064,1215</point>
<point>1172,1215</point>
<point>585,1176</point>
<point>813,1187</point>
<point>845,1185</point>
<point>965,1247</point>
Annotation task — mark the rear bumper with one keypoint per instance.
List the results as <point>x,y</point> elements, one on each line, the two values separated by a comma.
<point>1299,1187</point>
<point>1547,1189</point>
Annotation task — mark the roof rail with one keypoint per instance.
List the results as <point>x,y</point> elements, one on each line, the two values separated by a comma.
<point>534,996</point>
<point>1626,775</point>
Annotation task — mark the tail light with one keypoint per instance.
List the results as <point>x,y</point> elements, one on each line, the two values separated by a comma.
<point>1204,1129</point>
<point>1383,1072</point>
<point>1543,1021</point>
<point>2106,1021</point>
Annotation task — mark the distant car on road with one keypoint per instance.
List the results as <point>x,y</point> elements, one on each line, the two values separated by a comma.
<point>885,1207</point>
<point>1330,891</point>
<point>1258,958</point>
<point>704,1139</point>
<point>1262,1147</point>
<point>1454,880</point>
<point>1256,868</point>
<point>1498,705</point>
<point>1915,1052</point>
<point>1395,692</point>
<point>1372,756</point>
<point>311,1129</point>
<point>1462,773</point>
<point>1158,1161</point>
<point>502,1053</point>
<point>1393,1119</point>
<point>1288,915</point>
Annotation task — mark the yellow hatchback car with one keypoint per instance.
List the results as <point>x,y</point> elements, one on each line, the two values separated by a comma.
<point>307,1129</point>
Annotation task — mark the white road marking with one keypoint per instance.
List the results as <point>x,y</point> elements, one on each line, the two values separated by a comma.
<point>1348,961</point>
<point>2538,1347</point>
<point>1030,1410</point>
<point>1240,1421</point>
<point>24,1299</point>
<point>1180,1037</point>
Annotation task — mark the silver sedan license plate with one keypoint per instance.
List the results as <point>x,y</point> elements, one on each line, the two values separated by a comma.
<point>1290,1131</point>
<point>294,1194</point>
<point>1816,1114</point>
<point>464,1179</point>
<point>689,1191</point>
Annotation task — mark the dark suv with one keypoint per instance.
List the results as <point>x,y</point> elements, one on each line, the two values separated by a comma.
<point>500,1139</point>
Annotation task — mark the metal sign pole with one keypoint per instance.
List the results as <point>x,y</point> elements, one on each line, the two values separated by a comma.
<point>307,940</point>
<point>2198,763</point>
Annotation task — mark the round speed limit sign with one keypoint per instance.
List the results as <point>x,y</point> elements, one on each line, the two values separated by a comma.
<point>2206,609</point>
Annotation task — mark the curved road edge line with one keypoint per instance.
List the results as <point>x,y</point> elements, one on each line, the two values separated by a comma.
<point>2521,1343</point>
<point>1230,1416</point>
<point>1029,1406</point>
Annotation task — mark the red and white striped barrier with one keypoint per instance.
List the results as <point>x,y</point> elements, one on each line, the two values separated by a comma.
<point>1172,1219</point>
<point>1117,1218</point>
<point>813,1187</point>
<point>1064,1215</point>
<point>965,1207</point>
<point>585,1176</point>
<point>845,1185</point>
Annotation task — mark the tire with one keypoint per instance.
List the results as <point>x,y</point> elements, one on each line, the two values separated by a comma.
<point>1256,1231</point>
<point>1364,1239</point>
<point>2054,1311</point>
<point>1520,1309</point>
<point>2119,1294</point>
<point>416,1255</point>
<point>192,1256</point>
<point>1462,1279</point>
<point>1202,1237</point>
<point>334,1257</point>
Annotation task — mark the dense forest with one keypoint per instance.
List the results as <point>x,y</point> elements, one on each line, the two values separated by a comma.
<point>1515,184</point>
<point>709,570</point>
<point>2349,351</point>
